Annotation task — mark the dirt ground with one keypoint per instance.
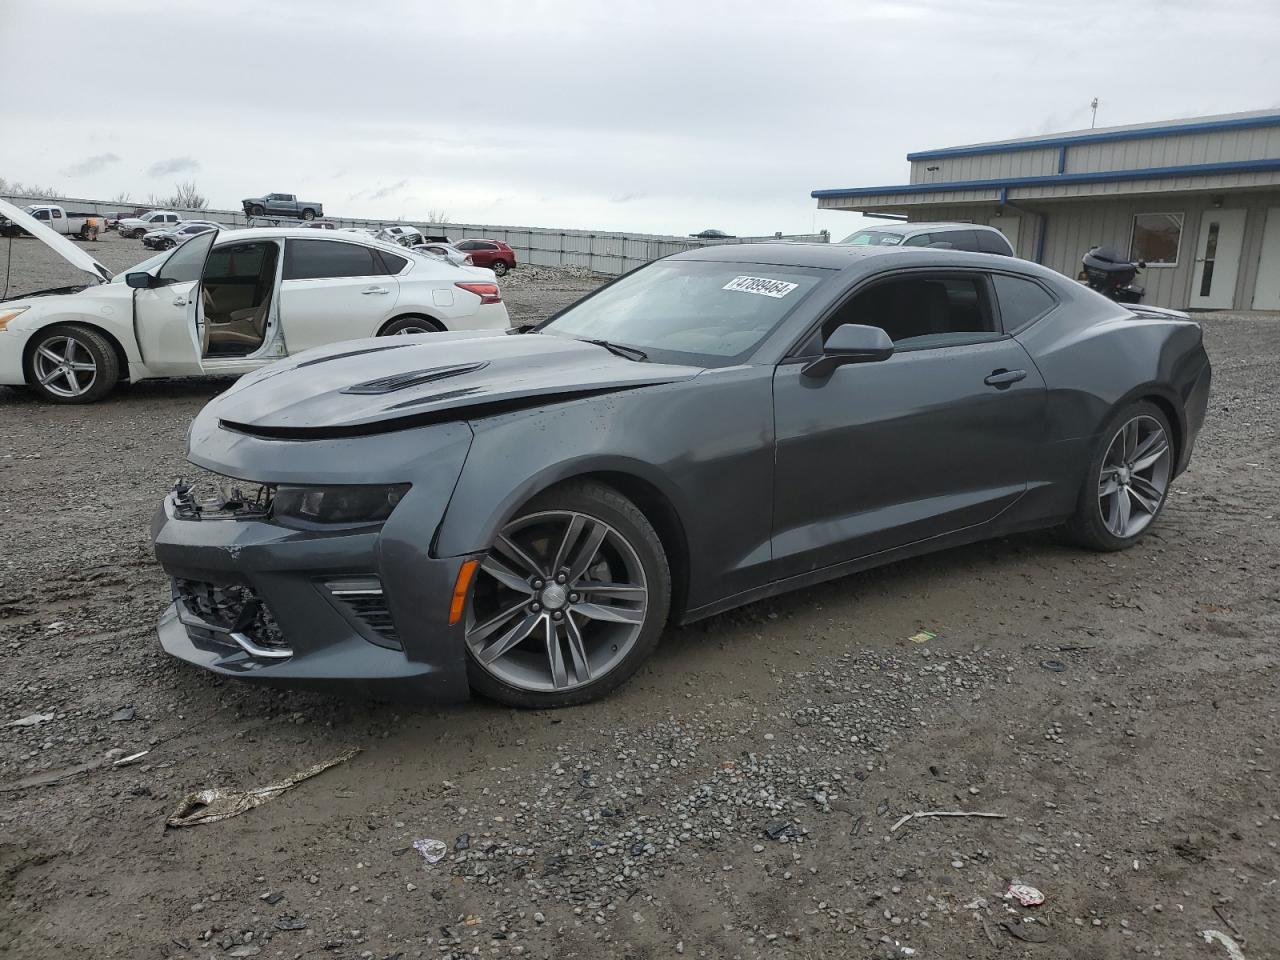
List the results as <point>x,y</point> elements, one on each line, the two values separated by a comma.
<point>737,798</point>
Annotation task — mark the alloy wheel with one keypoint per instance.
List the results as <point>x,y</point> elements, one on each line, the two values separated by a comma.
<point>558,603</point>
<point>411,330</point>
<point>1134,477</point>
<point>65,367</point>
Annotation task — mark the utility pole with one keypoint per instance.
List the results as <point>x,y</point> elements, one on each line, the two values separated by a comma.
<point>1094,105</point>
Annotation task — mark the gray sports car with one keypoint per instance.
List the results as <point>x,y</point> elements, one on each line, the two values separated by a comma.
<point>521,515</point>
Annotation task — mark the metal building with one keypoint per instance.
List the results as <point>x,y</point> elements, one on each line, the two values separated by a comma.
<point>1197,199</point>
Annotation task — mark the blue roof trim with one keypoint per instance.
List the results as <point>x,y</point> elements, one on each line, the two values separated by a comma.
<point>1109,136</point>
<point>1105,176</point>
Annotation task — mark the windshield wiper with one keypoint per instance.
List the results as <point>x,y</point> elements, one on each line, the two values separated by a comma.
<point>631,353</point>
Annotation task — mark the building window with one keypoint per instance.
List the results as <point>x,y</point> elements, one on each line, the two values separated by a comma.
<point>1156,238</point>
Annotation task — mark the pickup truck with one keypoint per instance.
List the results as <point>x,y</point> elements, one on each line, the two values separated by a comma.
<point>58,220</point>
<point>282,205</point>
<point>138,227</point>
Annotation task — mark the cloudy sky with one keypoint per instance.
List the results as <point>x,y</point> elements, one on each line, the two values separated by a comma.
<point>649,116</point>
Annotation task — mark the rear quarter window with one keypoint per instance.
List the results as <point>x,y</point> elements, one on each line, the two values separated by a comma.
<point>1022,301</point>
<point>991,241</point>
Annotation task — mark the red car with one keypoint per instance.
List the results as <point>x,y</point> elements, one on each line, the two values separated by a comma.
<point>494,254</point>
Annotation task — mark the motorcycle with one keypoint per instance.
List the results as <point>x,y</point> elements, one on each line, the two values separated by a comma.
<point>1112,275</point>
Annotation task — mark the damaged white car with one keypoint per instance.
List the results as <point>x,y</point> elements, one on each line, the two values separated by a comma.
<point>226,303</point>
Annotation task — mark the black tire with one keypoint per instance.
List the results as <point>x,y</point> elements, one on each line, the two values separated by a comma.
<point>407,325</point>
<point>605,504</point>
<point>105,360</point>
<point>1087,527</point>
<point>499,268</point>
<point>308,214</point>
<point>257,210</point>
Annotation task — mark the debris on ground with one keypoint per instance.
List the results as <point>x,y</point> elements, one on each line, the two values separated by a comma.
<point>1025,894</point>
<point>30,720</point>
<point>208,806</point>
<point>1233,948</point>
<point>923,636</point>
<point>1028,931</point>
<point>943,813</point>
<point>130,759</point>
<point>124,714</point>
<point>1053,666</point>
<point>432,851</point>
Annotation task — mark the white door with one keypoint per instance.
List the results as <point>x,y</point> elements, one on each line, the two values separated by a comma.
<point>1266,290</point>
<point>1009,227</point>
<point>333,290</point>
<point>166,313</point>
<point>1213,282</point>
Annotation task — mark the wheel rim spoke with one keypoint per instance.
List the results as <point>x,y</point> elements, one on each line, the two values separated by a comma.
<point>514,552</point>
<point>504,575</point>
<point>48,354</point>
<point>52,375</point>
<point>571,534</point>
<point>555,658</point>
<point>619,590</point>
<point>493,624</point>
<point>1145,494</point>
<point>1122,512</point>
<point>1110,483</point>
<point>600,611</point>
<point>590,548</point>
<point>577,650</point>
<point>510,639</point>
<point>1152,455</point>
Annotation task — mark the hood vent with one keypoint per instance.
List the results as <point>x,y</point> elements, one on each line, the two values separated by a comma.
<point>413,378</point>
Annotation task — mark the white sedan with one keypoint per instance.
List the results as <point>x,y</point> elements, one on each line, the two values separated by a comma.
<point>228,302</point>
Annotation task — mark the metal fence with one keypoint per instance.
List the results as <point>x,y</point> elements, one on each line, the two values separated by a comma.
<point>598,250</point>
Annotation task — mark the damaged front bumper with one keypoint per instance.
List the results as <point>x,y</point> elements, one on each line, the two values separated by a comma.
<point>352,607</point>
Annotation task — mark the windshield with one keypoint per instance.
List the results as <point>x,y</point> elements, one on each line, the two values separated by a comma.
<point>873,238</point>
<point>694,311</point>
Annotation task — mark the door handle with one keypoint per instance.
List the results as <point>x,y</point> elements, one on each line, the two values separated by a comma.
<point>1002,379</point>
<point>375,290</point>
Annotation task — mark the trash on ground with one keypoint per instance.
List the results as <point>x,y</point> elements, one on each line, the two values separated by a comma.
<point>944,813</point>
<point>291,923</point>
<point>1025,894</point>
<point>1233,948</point>
<point>123,714</point>
<point>924,636</point>
<point>130,759</point>
<point>1053,666</point>
<point>30,720</point>
<point>779,829</point>
<point>463,842</point>
<point>220,803</point>
<point>433,851</point>
<point>1027,932</point>
<point>273,897</point>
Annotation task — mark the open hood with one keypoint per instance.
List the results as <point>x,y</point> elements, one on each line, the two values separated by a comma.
<point>372,386</point>
<point>76,256</point>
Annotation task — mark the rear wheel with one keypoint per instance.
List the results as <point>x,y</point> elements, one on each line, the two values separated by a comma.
<point>308,214</point>
<point>409,326</point>
<point>72,364</point>
<point>570,600</point>
<point>499,267</point>
<point>1128,480</point>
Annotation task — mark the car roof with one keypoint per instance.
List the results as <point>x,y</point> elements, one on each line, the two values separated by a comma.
<point>832,256</point>
<point>941,226</point>
<point>306,233</point>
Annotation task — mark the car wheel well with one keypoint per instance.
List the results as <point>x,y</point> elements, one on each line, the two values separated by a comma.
<point>382,331</point>
<point>664,518</point>
<point>115,345</point>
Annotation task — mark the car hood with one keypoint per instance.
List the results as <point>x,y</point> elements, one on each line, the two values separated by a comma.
<point>76,256</point>
<point>377,385</point>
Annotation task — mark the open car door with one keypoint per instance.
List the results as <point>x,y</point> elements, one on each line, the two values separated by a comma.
<point>166,314</point>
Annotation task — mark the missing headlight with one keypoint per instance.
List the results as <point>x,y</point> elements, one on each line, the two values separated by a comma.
<point>342,504</point>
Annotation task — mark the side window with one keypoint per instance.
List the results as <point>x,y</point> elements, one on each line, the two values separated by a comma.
<point>391,263</point>
<point>42,214</point>
<point>992,241</point>
<point>57,214</point>
<point>922,311</point>
<point>324,259</point>
<point>185,263</point>
<point>468,245</point>
<point>1021,301</point>
<point>919,240</point>
<point>957,239</point>
<point>236,261</point>
<point>486,246</point>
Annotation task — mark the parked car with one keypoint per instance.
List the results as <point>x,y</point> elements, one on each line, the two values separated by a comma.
<point>494,254</point>
<point>321,225</point>
<point>712,235</point>
<point>446,250</point>
<point>283,205</point>
<point>57,219</point>
<point>404,235</point>
<point>521,516</point>
<point>218,305</point>
<point>138,227</point>
<point>974,237</point>
<point>170,237</point>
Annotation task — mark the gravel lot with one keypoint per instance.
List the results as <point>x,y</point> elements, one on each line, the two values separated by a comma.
<point>736,799</point>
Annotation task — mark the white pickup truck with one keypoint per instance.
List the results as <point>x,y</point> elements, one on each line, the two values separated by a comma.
<point>59,221</point>
<point>138,227</point>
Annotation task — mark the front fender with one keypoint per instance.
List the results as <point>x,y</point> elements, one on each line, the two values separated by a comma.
<point>111,315</point>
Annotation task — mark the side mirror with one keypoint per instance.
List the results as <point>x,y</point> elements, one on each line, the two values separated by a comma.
<point>140,280</point>
<point>850,343</point>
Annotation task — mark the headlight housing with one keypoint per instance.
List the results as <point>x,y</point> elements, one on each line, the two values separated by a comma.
<point>338,504</point>
<point>8,313</point>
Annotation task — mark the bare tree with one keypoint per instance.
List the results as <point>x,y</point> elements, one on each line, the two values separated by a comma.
<point>15,188</point>
<point>124,196</point>
<point>438,217</point>
<point>188,196</point>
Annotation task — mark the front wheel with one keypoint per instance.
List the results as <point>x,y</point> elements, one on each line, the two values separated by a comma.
<point>1128,480</point>
<point>72,364</point>
<point>570,600</point>
<point>257,210</point>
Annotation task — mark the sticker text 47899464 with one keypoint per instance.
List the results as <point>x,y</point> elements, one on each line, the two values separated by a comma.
<point>761,286</point>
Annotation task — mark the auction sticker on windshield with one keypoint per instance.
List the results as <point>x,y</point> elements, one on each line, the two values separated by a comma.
<point>762,286</point>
